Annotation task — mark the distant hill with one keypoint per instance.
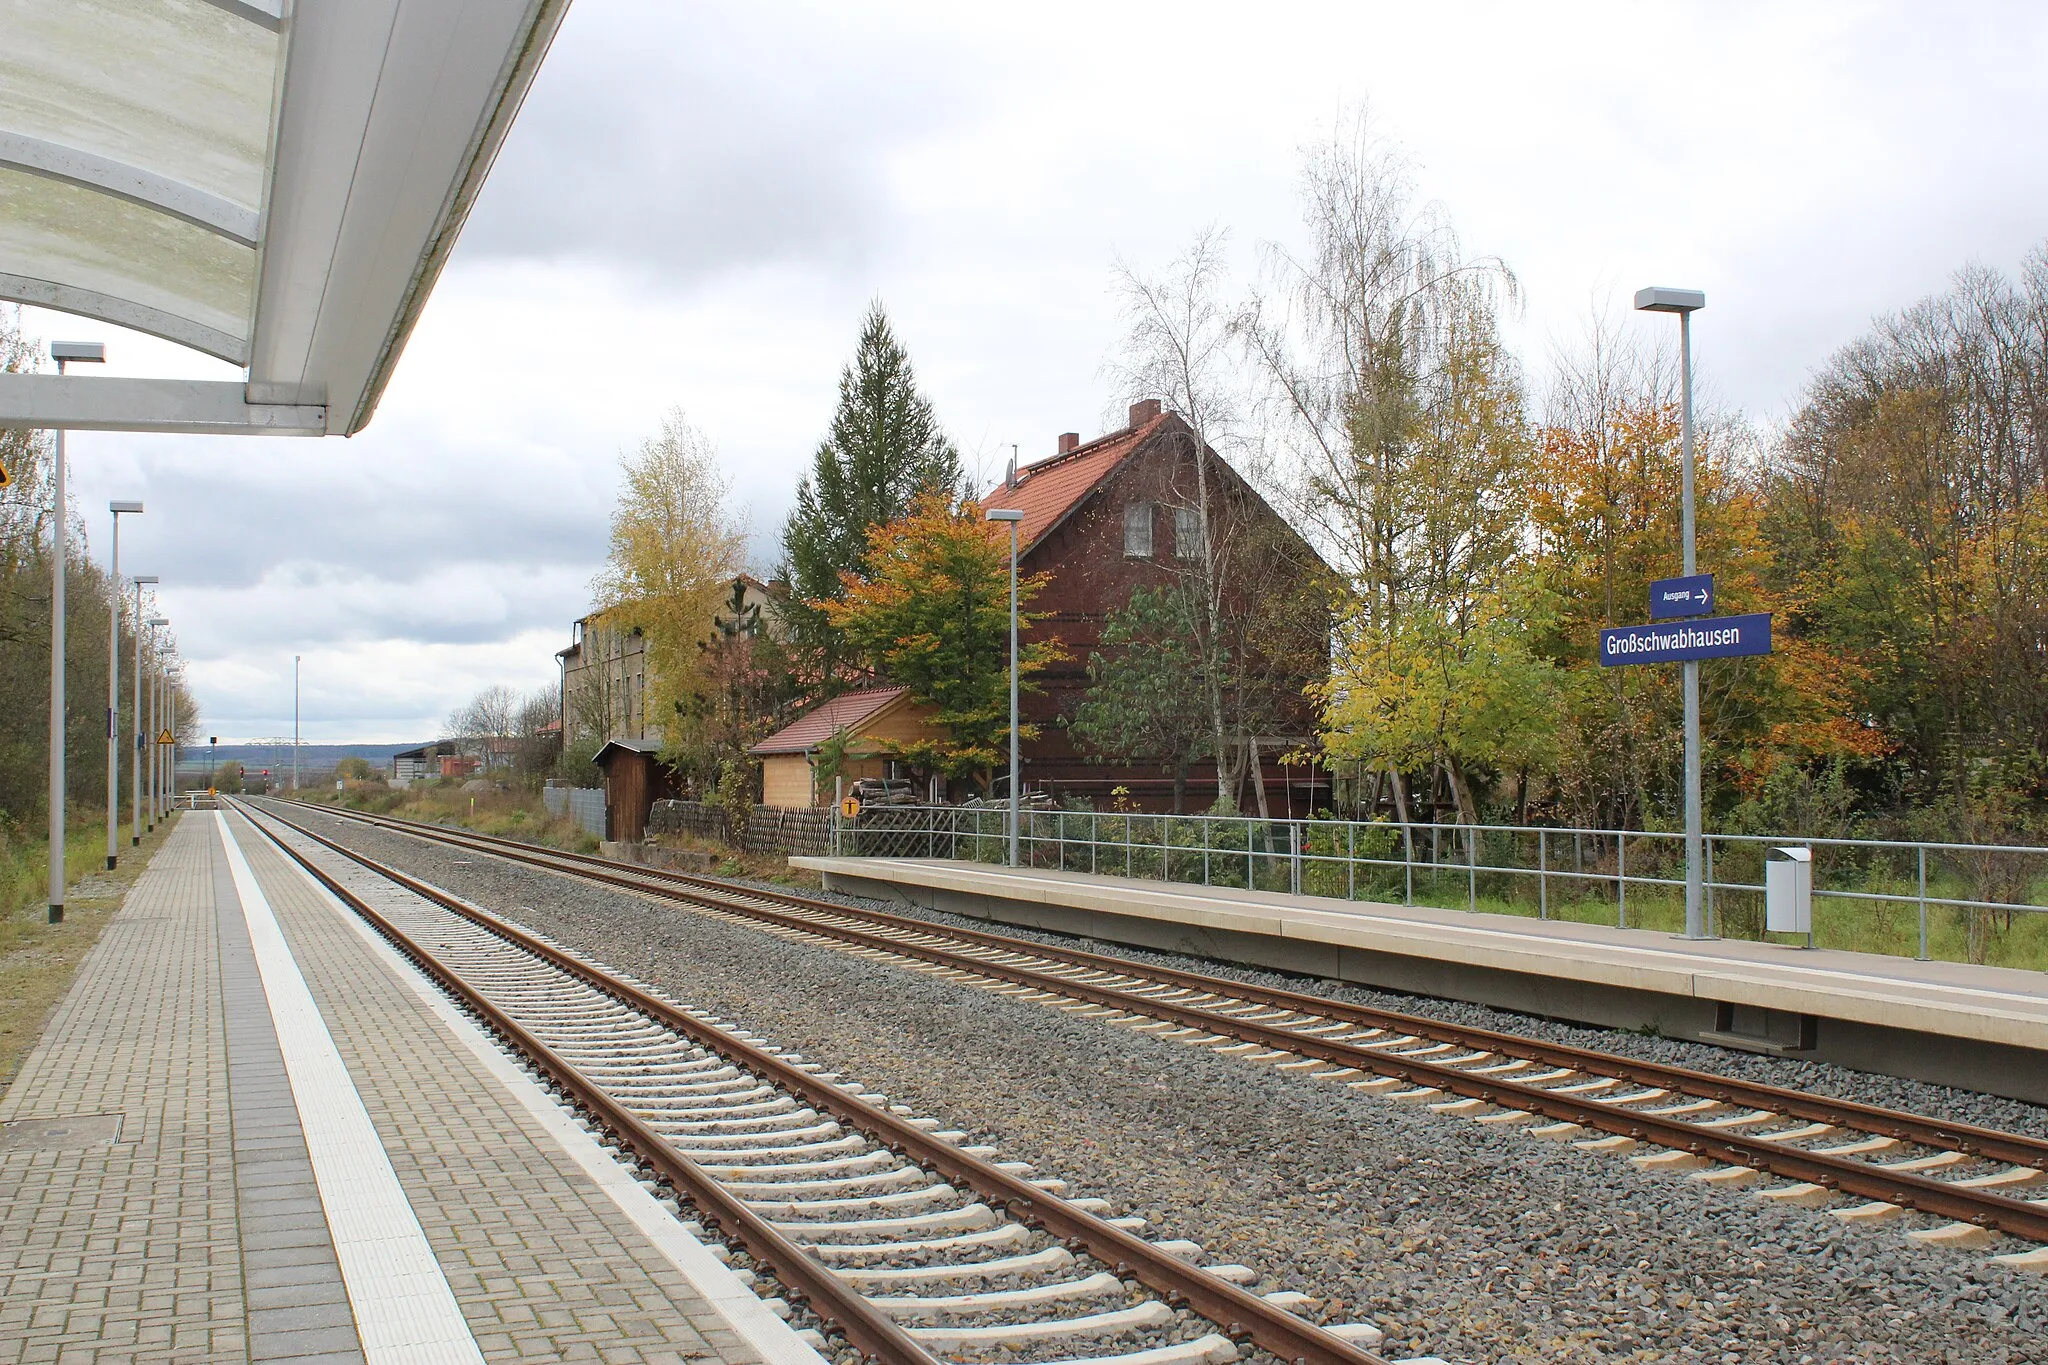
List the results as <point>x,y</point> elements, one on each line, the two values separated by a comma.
<point>312,757</point>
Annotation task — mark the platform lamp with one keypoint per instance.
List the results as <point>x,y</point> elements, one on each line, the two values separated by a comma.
<point>142,736</point>
<point>64,353</point>
<point>1686,302</point>
<point>114,692</point>
<point>1012,516</point>
<point>156,753</point>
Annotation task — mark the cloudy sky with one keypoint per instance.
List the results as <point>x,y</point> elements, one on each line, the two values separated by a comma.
<point>699,200</point>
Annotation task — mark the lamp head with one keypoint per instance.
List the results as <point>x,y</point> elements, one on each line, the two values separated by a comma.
<point>1003,514</point>
<point>1659,300</point>
<point>143,578</point>
<point>88,352</point>
<point>117,507</point>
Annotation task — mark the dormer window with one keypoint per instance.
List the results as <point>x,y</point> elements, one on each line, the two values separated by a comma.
<point>1138,530</point>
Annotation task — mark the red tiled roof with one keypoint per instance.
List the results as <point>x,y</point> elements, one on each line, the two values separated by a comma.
<point>1045,492</point>
<point>844,712</point>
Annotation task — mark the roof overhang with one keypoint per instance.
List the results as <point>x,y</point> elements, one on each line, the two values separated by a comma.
<point>276,183</point>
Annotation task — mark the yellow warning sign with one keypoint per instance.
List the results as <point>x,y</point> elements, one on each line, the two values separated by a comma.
<point>850,807</point>
<point>5,477</point>
<point>165,737</point>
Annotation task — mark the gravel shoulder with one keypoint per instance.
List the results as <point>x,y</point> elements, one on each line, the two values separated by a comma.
<point>1470,1244</point>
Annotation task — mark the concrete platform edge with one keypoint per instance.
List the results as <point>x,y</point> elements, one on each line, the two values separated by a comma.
<point>1847,1022</point>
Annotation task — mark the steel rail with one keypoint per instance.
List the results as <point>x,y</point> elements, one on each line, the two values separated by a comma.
<point>2019,1149</point>
<point>1239,1312</point>
<point>871,1331</point>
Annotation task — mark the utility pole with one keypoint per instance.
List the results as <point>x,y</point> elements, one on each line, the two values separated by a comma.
<point>295,722</point>
<point>1012,516</point>
<point>142,736</point>
<point>60,543</point>
<point>114,689</point>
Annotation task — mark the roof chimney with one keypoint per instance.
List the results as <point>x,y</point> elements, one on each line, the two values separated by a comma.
<point>1070,441</point>
<point>1144,411</point>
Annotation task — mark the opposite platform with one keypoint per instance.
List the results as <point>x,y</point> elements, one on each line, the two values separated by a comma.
<point>251,1132</point>
<point>1985,1028</point>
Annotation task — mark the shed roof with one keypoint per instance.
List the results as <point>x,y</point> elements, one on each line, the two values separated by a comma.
<point>847,711</point>
<point>617,748</point>
<point>273,182</point>
<point>1047,491</point>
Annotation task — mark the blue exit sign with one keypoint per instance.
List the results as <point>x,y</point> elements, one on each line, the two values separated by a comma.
<point>1692,595</point>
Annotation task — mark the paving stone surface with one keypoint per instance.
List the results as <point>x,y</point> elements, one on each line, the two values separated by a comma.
<point>156,1201</point>
<point>129,1248</point>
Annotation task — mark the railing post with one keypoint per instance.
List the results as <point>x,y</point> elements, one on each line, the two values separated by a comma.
<point>1127,847</point>
<point>1251,867</point>
<point>1621,879</point>
<point>1294,852</point>
<point>1922,850</point>
<point>1408,860</point>
<point>1350,860</point>
<point>1472,869</point>
<point>1542,874</point>
<point>1205,848</point>
<point>1713,919</point>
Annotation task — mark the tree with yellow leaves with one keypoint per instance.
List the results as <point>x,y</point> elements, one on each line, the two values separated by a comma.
<point>675,547</point>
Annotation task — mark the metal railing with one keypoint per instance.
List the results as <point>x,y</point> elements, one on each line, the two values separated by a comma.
<point>1564,873</point>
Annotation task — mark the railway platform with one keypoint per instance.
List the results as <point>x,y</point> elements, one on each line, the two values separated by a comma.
<point>1985,1028</point>
<point>252,1132</point>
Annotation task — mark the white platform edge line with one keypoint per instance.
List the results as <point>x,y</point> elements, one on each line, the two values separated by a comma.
<point>405,1311</point>
<point>751,1320</point>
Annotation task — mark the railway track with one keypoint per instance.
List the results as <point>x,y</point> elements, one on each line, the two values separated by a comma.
<point>1953,1185</point>
<point>898,1236</point>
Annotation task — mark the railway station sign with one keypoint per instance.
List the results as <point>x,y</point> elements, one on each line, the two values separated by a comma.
<point>1712,637</point>
<point>1692,595</point>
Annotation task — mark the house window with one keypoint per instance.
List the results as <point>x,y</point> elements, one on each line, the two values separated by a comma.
<point>1187,532</point>
<point>1138,530</point>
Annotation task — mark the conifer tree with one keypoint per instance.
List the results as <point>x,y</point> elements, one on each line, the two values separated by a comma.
<point>884,448</point>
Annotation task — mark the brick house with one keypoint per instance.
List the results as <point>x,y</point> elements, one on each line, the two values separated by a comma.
<point>1123,511</point>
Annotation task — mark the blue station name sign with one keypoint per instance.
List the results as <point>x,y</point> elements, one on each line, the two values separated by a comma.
<point>1713,637</point>
<point>1692,595</point>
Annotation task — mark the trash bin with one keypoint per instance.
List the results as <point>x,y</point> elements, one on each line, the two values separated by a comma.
<point>1788,891</point>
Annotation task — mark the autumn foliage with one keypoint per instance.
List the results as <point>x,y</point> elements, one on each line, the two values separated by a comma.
<point>932,614</point>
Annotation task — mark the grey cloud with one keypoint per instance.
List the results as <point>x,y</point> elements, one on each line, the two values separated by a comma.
<point>681,142</point>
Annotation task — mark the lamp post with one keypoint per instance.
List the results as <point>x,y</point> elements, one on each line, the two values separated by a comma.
<point>156,750</point>
<point>1012,516</point>
<point>114,691</point>
<point>142,736</point>
<point>1686,302</point>
<point>295,722</point>
<point>63,352</point>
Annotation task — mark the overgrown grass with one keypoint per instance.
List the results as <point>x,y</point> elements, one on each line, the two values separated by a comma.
<point>514,814</point>
<point>507,814</point>
<point>38,959</point>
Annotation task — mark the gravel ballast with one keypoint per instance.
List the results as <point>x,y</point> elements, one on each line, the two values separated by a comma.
<point>1460,1241</point>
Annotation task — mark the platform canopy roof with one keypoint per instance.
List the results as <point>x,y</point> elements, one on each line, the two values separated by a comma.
<point>274,182</point>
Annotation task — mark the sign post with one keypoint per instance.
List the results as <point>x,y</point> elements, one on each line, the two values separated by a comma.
<point>1689,637</point>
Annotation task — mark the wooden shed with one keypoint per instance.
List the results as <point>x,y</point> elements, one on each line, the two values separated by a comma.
<point>877,721</point>
<point>634,779</point>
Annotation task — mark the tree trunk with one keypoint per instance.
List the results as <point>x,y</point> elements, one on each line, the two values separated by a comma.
<point>1257,774</point>
<point>1400,794</point>
<point>1180,787</point>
